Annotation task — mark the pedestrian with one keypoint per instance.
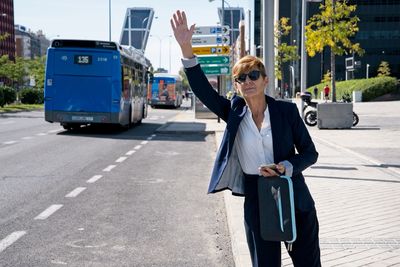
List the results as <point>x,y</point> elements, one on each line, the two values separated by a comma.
<point>259,130</point>
<point>326,92</point>
<point>316,92</point>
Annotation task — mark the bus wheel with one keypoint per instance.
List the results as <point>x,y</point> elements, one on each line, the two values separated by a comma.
<point>67,127</point>
<point>141,117</point>
<point>129,125</point>
<point>70,126</point>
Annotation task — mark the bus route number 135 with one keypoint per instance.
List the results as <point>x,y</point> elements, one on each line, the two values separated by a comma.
<point>83,59</point>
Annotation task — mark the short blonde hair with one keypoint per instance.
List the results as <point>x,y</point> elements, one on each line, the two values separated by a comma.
<point>246,64</point>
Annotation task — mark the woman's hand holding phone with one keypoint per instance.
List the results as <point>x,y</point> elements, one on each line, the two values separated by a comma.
<point>269,170</point>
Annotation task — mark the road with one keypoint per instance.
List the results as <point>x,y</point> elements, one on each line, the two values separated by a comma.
<point>99,197</point>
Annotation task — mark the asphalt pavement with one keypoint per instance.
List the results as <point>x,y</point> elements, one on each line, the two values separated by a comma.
<point>355,184</point>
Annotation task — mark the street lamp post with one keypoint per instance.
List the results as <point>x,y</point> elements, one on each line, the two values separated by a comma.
<point>160,41</point>
<point>109,20</point>
<point>367,75</point>
<point>303,66</point>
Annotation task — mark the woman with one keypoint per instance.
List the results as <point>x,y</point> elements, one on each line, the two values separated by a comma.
<point>259,130</point>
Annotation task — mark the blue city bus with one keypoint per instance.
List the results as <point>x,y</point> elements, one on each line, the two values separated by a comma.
<point>165,90</point>
<point>94,82</point>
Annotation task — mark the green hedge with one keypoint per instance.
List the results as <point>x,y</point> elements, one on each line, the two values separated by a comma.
<point>31,96</point>
<point>10,95</point>
<point>371,88</point>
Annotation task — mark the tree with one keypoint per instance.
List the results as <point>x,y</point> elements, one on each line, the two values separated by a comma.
<point>15,71</point>
<point>384,69</point>
<point>333,27</point>
<point>327,78</point>
<point>4,36</point>
<point>36,69</point>
<point>285,52</point>
<point>185,82</point>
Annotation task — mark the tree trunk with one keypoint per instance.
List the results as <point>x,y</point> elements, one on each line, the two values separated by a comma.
<point>333,76</point>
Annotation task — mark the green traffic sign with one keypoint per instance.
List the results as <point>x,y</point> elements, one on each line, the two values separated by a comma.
<point>216,70</point>
<point>214,60</point>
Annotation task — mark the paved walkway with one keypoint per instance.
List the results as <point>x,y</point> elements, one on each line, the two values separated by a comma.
<point>357,195</point>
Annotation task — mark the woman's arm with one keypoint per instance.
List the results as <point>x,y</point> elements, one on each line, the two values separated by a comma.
<point>197,80</point>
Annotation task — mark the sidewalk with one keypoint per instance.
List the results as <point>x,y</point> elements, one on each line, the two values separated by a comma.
<point>357,197</point>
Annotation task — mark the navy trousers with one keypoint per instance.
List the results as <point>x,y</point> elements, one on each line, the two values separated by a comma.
<point>305,250</point>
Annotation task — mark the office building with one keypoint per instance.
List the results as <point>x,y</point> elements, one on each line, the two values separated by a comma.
<point>232,17</point>
<point>136,28</point>
<point>378,35</point>
<point>7,44</point>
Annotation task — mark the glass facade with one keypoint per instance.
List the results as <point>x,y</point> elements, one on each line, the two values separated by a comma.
<point>7,46</point>
<point>232,17</point>
<point>378,35</point>
<point>136,29</point>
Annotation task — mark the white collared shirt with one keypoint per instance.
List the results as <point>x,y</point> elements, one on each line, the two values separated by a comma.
<point>254,147</point>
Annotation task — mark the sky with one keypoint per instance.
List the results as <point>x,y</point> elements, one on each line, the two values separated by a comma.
<point>88,19</point>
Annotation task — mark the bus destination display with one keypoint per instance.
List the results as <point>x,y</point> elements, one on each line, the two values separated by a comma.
<point>83,59</point>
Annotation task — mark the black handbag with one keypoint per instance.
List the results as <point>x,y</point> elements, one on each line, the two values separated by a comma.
<point>276,204</point>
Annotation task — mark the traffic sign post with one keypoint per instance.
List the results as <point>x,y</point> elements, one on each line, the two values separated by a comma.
<point>211,44</point>
<point>211,40</point>
<point>216,70</point>
<point>211,50</point>
<point>212,30</point>
<point>204,60</point>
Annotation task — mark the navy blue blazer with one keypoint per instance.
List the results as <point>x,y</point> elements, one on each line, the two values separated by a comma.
<point>288,133</point>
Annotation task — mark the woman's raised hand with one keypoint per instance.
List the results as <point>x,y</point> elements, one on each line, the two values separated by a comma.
<point>182,33</point>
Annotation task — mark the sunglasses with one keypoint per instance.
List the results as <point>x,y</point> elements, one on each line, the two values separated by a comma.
<point>253,75</point>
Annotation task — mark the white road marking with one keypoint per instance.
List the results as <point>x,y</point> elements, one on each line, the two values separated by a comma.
<point>144,142</point>
<point>9,142</point>
<point>121,159</point>
<point>10,239</point>
<point>47,212</point>
<point>94,179</point>
<point>130,152</point>
<point>137,147</point>
<point>55,131</point>
<point>41,134</point>
<point>27,137</point>
<point>76,192</point>
<point>109,168</point>
<point>153,135</point>
<point>149,138</point>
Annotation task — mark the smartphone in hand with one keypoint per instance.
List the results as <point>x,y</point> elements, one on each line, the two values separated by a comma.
<point>271,166</point>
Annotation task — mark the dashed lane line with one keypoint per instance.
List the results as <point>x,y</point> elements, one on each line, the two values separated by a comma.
<point>76,192</point>
<point>41,134</point>
<point>130,152</point>
<point>137,147</point>
<point>109,168</point>
<point>27,138</point>
<point>144,142</point>
<point>10,239</point>
<point>94,179</point>
<point>48,212</point>
<point>121,159</point>
<point>9,142</point>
